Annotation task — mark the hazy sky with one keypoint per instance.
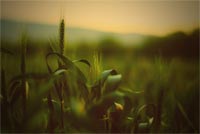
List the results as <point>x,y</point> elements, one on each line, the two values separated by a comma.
<point>129,16</point>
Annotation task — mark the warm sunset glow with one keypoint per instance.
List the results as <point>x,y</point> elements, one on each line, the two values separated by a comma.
<point>146,17</point>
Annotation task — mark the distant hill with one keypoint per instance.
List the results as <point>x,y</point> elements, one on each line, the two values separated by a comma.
<point>11,30</point>
<point>177,44</point>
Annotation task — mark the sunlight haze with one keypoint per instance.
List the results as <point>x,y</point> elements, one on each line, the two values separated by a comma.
<point>145,17</point>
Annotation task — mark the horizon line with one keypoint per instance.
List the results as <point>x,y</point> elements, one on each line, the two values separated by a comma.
<point>99,30</point>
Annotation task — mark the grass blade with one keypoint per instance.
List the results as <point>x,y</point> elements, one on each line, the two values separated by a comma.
<point>83,61</point>
<point>182,111</point>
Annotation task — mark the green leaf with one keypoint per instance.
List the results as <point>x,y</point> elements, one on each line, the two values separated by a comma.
<point>97,87</point>
<point>112,83</point>
<point>59,71</point>
<point>75,86</point>
<point>98,109</point>
<point>143,127</point>
<point>105,75</point>
<point>14,92</point>
<point>144,107</point>
<point>130,91</point>
<point>54,45</point>
<point>132,96</point>
<point>83,61</point>
<point>68,64</point>
<point>136,123</point>
<point>73,83</point>
<point>182,111</point>
<point>35,100</point>
<point>73,73</point>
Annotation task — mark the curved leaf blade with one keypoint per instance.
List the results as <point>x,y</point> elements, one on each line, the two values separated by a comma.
<point>83,61</point>
<point>112,83</point>
<point>68,65</point>
<point>97,87</point>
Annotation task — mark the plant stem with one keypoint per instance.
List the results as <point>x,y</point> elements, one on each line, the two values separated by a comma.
<point>51,109</point>
<point>23,71</point>
<point>62,34</point>
<point>3,85</point>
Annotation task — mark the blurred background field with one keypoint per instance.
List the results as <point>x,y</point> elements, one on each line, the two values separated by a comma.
<point>169,63</point>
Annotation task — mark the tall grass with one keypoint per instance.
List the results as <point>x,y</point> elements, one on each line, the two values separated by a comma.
<point>65,100</point>
<point>23,71</point>
<point>58,85</point>
<point>96,68</point>
<point>62,35</point>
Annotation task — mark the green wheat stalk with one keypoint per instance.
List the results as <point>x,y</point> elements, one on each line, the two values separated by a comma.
<point>23,70</point>
<point>62,35</point>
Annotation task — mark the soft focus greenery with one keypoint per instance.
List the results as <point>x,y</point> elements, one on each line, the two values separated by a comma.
<point>107,87</point>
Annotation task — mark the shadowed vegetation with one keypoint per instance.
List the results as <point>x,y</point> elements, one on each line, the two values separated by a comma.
<point>52,87</point>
